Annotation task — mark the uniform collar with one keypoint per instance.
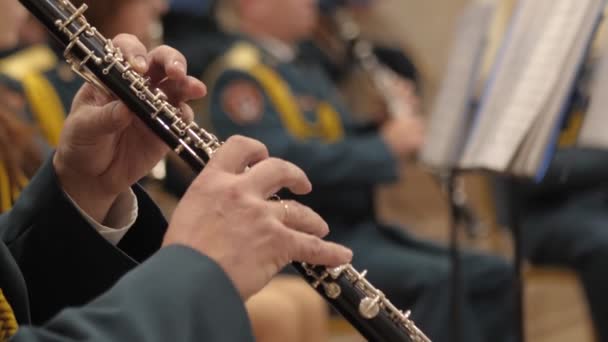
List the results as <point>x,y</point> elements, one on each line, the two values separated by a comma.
<point>8,52</point>
<point>283,52</point>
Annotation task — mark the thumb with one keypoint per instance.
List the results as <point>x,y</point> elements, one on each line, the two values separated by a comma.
<point>113,117</point>
<point>91,95</point>
<point>98,113</point>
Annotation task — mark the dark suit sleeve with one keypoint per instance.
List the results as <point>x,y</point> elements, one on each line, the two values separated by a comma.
<point>176,295</point>
<point>64,261</point>
<point>574,169</point>
<point>354,160</point>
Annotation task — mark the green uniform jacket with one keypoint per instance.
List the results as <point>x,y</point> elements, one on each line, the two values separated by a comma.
<point>51,259</point>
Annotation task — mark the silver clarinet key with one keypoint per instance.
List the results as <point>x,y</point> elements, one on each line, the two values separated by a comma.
<point>369,308</point>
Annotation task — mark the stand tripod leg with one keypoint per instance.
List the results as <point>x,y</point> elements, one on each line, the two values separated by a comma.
<point>456,276</point>
<point>518,281</point>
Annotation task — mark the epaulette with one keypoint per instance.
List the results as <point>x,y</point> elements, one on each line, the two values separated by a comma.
<point>37,58</point>
<point>242,56</point>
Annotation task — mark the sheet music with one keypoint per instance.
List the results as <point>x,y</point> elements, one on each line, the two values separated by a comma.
<point>536,150</point>
<point>594,133</point>
<point>537,62</point>
<point>447,128</point>
<point>505,74</point>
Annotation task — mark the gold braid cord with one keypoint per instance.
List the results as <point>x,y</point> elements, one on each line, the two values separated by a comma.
<point>8,322</point>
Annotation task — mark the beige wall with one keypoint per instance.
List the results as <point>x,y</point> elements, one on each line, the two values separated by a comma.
<point>423,28</point>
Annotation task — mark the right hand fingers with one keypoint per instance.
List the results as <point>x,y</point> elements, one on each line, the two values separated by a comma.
<point>237,153</point>
<point>312,250</point>
<point>299,217</point>
<point>272,174</point>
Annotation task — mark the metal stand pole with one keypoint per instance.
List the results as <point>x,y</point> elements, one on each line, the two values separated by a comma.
<point>448,181</point>
<point>518,281</point>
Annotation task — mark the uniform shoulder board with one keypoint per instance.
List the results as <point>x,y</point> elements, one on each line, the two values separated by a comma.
<point>37,58</point>
<point>242,56</point>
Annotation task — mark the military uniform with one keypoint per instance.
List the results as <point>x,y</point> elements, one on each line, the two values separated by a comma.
<point>46,87</point>
<point>18,62</point>
<point>563,218</point>
<point>49,97</point>
<point>338,68</point>
<point>47,84</point>
<point>17,84</point>
<point>193,32</point>
<point>51,259</point>
<point>260,91</point>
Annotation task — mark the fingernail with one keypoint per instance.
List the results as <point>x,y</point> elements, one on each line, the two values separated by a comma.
<point>324,232</point>
<point>140,62</point>
<point>180,66</point>
<point>348,254</point>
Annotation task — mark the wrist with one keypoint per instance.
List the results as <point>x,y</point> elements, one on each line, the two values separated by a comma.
<point>394,149</point>
<point>89,196</point>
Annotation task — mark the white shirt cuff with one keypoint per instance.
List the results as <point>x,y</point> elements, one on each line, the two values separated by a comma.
<point>121,217</point>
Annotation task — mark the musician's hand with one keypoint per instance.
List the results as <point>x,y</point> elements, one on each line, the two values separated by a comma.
<point>404,91</point>
<point>225,215</point>
<point>404,136</point>
<point>104,148</point>
<point>404,100</point>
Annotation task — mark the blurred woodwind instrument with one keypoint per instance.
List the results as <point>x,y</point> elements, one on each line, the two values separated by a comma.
<point>382,77</point>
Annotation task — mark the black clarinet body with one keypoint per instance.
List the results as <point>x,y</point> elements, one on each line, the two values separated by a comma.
<point>89,56</point>
<point>94,57</point>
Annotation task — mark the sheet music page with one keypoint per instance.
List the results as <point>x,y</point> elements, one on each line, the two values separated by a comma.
<point>448,119</point>
<point>594,133</point>
<point>530,159</point>
<point>505,73</point>
<point>556,30</point>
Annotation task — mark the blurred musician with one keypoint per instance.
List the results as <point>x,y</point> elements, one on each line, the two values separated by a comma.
<point>21,149</point>
<point>49,94</point>
<point>18,57</point>
<point>288,309</point>
<point>563,218</point>
<point>20,152</point>
<point>262,87</point>
<point>378,80</point>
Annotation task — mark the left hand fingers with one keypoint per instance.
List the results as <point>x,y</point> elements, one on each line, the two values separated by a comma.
<point>166,63</point>
<point>183,90</point>
<point>133,51</point>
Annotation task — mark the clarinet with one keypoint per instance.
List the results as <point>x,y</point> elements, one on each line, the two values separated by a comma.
<point>99,62</point>
<point>382,78</point>
<point>380,75</point>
